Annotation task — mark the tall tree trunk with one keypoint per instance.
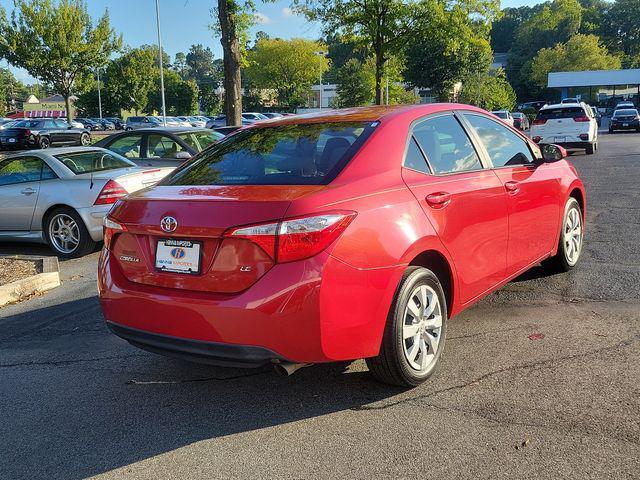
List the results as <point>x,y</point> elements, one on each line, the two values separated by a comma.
<point>67,106</point>
<point>380,61</point>
<point>231,60</point>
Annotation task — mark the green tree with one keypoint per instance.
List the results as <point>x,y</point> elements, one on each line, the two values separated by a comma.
<point>448,50</point>
<point>622,26</point>
<point>354,88</point>
<point>340,50</point>
<point>290,67</point>
<point>130,77</point>
<point>57,42</point>
<point>490,91</point>
<point>504,28</point>
<point>180,64</point>
<point>181,96</point>
<point>200,63</point>
<point>581,52</point>
<point>554,23</point>
<point>12,91</point>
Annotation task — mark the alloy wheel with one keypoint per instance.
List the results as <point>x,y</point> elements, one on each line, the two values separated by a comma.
<point>421,327</point>
<point>64,233</point>
<point>85,140</point>
<point>572,236</point>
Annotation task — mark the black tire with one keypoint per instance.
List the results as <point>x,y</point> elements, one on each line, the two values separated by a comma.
<point>590,150</point>
<point>44,143</point>
<point>85,243</point>
<point>391,365</point>
<point>611,130</point>
<point>85,140</point>
<point>559,262</point>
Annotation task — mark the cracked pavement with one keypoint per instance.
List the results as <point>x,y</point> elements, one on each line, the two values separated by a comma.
<point>539,380</point>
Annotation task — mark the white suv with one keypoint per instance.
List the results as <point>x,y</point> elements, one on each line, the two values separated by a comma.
<point>571,125</point>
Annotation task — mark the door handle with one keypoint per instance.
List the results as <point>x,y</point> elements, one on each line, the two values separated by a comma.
<point>438,200</point>
<point>512,187</point>
<point>28,191</point>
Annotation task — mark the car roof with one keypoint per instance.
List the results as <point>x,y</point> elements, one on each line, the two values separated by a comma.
<point>54,151</point>
<point>365,114</point>
<point>173,130</point>
<point>561,105</point>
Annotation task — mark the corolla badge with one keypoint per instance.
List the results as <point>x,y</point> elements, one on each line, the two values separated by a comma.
<point>177,253</point>
<point>168,224</point>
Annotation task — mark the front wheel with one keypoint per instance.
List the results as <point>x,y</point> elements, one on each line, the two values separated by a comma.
<point>414,335</point>
<point>66,233</point>
<point>44,143</point>
<point>571,239</point>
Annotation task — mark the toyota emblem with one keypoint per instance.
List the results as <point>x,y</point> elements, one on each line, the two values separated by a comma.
<point>168,224</point>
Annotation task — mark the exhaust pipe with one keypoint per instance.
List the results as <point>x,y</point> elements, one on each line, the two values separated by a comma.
<point>286,369</point>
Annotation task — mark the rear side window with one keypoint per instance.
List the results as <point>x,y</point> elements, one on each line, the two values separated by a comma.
<point>415,159</point>
<point>446,145</point>
<point>300,154</point>
<point>504,147</point>
<point>561,112</point>
<point>128,146</point>
<point>95,161</point>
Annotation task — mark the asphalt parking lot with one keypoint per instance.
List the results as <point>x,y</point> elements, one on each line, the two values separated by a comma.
<point>539,380</point>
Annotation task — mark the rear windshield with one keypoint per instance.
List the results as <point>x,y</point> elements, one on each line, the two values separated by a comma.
<point>501,114</point>
<point>302,154</point>
<point>625,113</point>
<point>29,124</point>
<point>562,112</point>
<point>94,161</point>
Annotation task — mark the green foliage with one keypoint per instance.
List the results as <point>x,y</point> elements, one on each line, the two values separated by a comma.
<point>200,65</point>
<point>290,67</point>
<point>448,50</point>
<point>554,23</point>
<point>354,88</point>
<point>622,26</point>
<point>12,91</point>
<point>129,78</point>
<point>56,42</point>
<point>580,52</point>
<point>181,97</point>
<point>490,91</point>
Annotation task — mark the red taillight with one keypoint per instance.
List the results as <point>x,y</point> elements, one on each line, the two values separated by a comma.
<point>110,228</point>
<point>581,119</point>
<point>296,238</point>
<point>110,193</point>
<point>584,136</point>
<point>539,121</point>
<point>536,139</point>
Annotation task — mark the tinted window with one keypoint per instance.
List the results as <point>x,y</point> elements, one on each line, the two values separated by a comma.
<point>625,113</point>
<point>20,170</point>
<point>127,146</point>
<point>47,173</point>
<point>200,140</point>
<point>305,154</point>
<point>61,124</point>
<point>446,145</point>
<point>29,124</point>
<point>503,146</point>
<point>414,158</point>
<point>49,124</point>
<point>94,161</point>
<point>133,119</point>
<point>161,146</point>
<point>561,112</point>
<point>501,115</point>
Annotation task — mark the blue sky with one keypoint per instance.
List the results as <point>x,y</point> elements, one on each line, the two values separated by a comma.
<point>185,22</point>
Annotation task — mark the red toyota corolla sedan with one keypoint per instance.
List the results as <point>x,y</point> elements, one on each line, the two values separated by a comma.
<point>337,236</point>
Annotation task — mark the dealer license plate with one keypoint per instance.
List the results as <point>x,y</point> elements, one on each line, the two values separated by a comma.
<point>178,256</point>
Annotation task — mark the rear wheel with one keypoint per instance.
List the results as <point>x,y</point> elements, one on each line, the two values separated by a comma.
<point>44,142</point>
<point>66,233</point>
<point>571,238</point>
<point>414,335</point>
<point>591,148</point>
<point>85,140</point>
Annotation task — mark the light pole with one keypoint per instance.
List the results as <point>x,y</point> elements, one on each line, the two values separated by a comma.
<point>164,110</point>
<point>320,54</point>
<point>99,96</point>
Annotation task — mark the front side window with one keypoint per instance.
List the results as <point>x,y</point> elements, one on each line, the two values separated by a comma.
<point>20,170</point>
<point>446,145</point>
<point>200,140</point>
<point>92,161</point>
<point>505,148</point>
<point>127,146</point>
<point>299,154</point>
<point>160,146</point>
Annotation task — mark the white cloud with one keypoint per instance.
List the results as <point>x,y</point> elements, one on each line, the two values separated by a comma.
<point>287,12</point>
<point>262,19</point>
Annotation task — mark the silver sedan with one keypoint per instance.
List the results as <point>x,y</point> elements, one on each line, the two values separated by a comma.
<point>61,195</point>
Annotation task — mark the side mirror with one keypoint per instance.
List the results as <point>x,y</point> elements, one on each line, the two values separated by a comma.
<point>182,155</point>
<point>552,153</point>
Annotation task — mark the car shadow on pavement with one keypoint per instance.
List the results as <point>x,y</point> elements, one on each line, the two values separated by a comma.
<point>82,401</point>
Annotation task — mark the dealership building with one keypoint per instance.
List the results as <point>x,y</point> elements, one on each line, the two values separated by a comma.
<point>602,86</point>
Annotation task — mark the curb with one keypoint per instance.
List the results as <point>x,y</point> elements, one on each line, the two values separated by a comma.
<point>41,282</point>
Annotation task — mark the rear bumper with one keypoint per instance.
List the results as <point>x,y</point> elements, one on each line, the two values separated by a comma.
<point>212,353</point>
<point>632,125</point>
<point>92,217</point>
